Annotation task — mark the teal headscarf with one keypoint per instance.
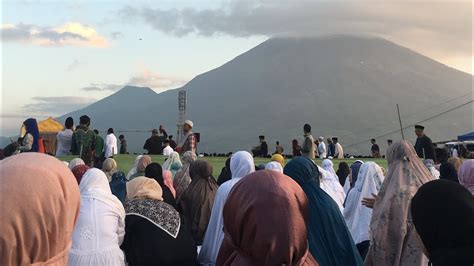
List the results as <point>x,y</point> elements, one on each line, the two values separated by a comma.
<point>330,241</point>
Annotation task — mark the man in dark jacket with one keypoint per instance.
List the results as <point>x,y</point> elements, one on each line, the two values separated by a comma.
<point>154,145</point>
<point>423,145</point>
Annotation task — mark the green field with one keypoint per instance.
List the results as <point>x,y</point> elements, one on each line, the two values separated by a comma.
<point>125,162</point>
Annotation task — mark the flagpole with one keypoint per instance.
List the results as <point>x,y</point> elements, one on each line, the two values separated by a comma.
<point>400,120</point>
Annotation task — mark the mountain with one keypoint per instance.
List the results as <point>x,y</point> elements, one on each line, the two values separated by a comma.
<point>343,86</point>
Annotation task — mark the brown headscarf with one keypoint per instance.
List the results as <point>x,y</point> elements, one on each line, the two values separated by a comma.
<point>265,222</point>
<point>39,207</point>
<point>393,236</point>
<point>197,200</point>
<point>143,162</point>
<point>143,187</point>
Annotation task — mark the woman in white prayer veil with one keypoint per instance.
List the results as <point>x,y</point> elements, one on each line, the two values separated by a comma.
<point>357,216</point>
<point>134,168</point>
<point>241,164</point>
<point>275,166</point>
<point>330,184</point>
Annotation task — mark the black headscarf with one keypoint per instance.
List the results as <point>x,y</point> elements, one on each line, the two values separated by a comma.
<point>226,174</point>
<point>443,215</point>
<point>155,171</point>
<point>448,171</point>
<point>343,172</point>
<point>197,200</point>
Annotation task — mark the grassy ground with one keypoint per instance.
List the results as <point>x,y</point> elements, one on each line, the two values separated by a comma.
<point>125,162</point>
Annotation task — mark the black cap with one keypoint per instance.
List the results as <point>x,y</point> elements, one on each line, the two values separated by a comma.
<point>261,137</point>
<point>334,138</point>
<point>419,127</point>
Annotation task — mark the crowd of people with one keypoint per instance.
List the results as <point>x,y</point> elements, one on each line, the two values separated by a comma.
<point>284,212</point>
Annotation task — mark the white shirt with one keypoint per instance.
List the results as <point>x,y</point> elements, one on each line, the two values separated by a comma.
<point>64,140</point>
<point>322,150</point>
<point>167,151</point>
<point>110,145</point>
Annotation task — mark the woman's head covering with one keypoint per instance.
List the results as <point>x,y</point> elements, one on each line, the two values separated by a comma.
<point>134,168</point>
<point>109,167</point>
<point>143,162</point>
<point>188,157</point>
<point>443,214</point>
<point>225,175</point>
<point>31,127</point>
<point>254,231</point>
<point>173,162</point>
<point>79,172</point>
<point>330,241</point>
<point>456,162</point>
<point>330,183</point>
<point>278,158</point>
<point>168,180</point>
<point>343,172</point>
<point>94,184</point>
<point>200,169</point>
<point>143,187</point>
<point>355,171</point>
<point>43,204</point>
<point>430,165</point>
<point>448,171</point>
<point>393,240</point>
<point>275,166</point>
<point>155,171</point>
<point>118,185</point>
<point>356,215</point>
<point>241,164</point>
<point>197,200</point>
<point>466,175</point>
<point>75,162</point>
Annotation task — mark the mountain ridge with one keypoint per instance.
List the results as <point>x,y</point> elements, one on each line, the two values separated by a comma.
<point>282,83</point>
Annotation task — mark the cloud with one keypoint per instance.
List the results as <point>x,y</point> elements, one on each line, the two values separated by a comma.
<point>436,28</point>
<point>56,105</point>
<point>68,34</point>
<point>146,78</point>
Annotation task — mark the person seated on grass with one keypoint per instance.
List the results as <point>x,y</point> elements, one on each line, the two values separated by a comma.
<point>143,162</point>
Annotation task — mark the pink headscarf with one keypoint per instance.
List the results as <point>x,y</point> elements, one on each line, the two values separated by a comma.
<point>168,181</point>
<point>393,239</point>
<point>466,175</point>
<point>39,204</point>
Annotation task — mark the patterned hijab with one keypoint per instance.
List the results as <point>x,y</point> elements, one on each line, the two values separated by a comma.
<point>393,239</point>
<point>145,200</point>
<point>254,231</point>
<point>43,205</point>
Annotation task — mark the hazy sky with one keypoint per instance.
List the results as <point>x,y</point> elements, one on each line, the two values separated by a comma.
<point>58,56</point>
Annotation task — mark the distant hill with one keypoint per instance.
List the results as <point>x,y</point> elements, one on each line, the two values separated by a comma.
<point>342,85</point>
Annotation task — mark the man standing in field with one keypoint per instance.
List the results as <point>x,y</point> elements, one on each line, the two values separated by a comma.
<point>375,149</point>
<point>154,144</point>
<point>322,148</point>
<point>339,153</point>
<point>307,149</point>
<point>262,150</point>
<point>83,140</point>
<point>423,145</point>
<point>189,140</point>
<point>331,148</point>
<point>279,149</point>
